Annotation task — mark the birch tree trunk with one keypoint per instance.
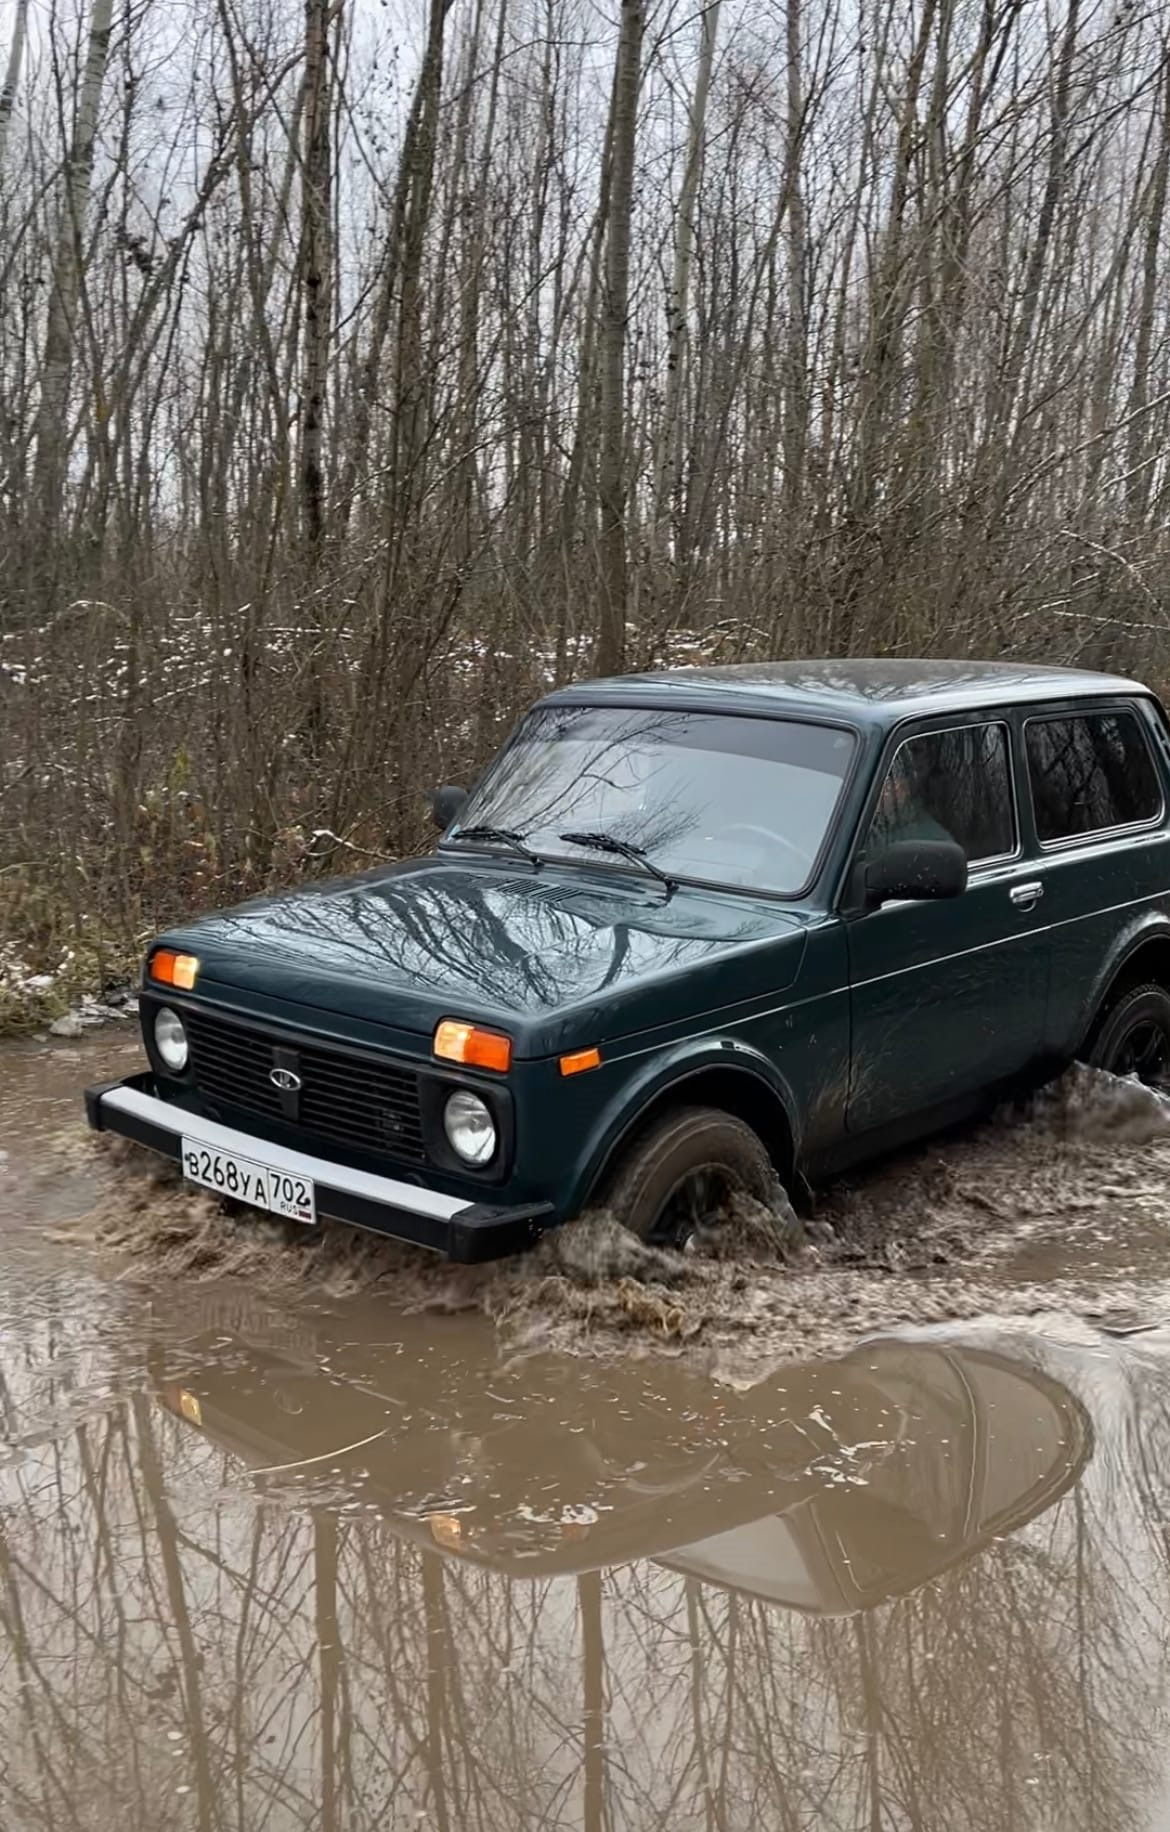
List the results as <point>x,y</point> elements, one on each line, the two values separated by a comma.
<point>1139,443</point>
<point>316,264</point>
<point>678,299</point>
<point>411,198</point>
<point>612,480</point>
<point>12,76</point>
<point>796,343</point>
<point>411,387</point>
<point>583,442</point>
<point>61,331</point>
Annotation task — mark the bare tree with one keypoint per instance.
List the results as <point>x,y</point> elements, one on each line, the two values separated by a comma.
<point>612,457</point>
<point>315,263</point>
<point>678,297</point>
<point>11,81</point>
<point>68,270</point>
<point>350,398</point>
<point>1138,447</point>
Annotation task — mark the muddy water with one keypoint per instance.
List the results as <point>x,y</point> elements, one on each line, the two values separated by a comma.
<point>274,1553</point>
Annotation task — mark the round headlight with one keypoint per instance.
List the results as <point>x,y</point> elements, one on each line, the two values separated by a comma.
<point>470,1128</point>
<point>170,1039</point>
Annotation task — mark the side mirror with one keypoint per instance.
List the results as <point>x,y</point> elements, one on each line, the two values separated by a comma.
<point>919,869</point>
<point>447,805</point>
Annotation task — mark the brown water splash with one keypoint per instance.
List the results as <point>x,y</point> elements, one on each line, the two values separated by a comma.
<point>1064,1201</point>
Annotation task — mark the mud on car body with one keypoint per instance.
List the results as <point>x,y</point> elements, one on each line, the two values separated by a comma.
<point>691,931</point>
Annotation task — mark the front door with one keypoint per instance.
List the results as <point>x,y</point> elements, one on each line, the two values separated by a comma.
<point>948,997</point>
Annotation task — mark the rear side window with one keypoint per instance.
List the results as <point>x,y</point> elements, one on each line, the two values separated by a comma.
<point>952,785</point>
<point>1090,773</point>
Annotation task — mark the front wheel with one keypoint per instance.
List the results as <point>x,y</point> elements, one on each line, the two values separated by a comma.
<point>1133,1038</point>
<point>678,1179</point>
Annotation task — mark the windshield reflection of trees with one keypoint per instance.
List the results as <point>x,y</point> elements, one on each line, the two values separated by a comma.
<point>175,1652</point>
<point>677,784</point>
<point>509,934</point>
<point>553,777</point>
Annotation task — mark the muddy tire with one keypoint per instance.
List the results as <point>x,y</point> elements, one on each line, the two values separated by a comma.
<point>1133,1036</point>
<point>680,1174</point>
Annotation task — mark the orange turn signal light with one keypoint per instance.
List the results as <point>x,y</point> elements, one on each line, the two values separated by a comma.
<point>580,1060</point>
<point>446,1529</point>
<point>477,1049</point>
<point>173,969</point>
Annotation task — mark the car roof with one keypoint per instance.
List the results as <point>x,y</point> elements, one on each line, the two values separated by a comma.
<point>870,691</point>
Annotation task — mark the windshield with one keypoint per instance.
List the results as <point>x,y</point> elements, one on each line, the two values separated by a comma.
<point>724,800</point>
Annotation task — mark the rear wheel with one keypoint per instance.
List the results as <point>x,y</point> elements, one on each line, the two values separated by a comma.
<point>680,1176</point>
<point>1133,1037</point>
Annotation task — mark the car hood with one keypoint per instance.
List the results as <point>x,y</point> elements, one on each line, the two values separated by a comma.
<point>404,946</point>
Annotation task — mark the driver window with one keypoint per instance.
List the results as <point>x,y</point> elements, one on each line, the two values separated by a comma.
<point>952,785</point>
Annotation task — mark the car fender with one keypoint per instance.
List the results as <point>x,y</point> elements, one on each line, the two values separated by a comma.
<point>1148,925</point>
<point>665,1071</point>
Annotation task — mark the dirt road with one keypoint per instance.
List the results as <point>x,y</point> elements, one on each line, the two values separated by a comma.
<point>274,1553</point>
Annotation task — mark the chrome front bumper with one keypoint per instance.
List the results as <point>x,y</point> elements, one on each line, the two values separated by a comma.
<point>464,1231</point>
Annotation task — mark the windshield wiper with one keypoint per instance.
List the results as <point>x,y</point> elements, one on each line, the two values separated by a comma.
<point>608,842</point>
<point>502,836</point>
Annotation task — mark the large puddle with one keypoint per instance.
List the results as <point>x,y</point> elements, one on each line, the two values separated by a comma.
<point>277,1553</point>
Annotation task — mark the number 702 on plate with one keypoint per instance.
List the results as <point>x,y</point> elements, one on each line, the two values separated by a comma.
<point>282,1192</point>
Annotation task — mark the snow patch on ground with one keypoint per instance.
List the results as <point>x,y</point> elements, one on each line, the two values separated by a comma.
<point>46,1000</point>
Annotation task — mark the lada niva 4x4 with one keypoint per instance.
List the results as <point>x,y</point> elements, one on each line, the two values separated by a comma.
<point>691,931</point>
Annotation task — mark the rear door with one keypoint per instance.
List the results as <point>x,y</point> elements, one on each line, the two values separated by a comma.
<point>1096,787</point>
<point>948,997</point>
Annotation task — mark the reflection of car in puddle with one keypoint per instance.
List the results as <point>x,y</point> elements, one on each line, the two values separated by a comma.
<point>988,1444</point>
<point>827,1487</point>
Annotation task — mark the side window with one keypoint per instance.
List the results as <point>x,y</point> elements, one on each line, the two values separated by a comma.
<point>952,785</point>
<point>1090,773</point>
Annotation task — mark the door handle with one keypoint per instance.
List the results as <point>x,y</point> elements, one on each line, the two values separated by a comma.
<point>1026,896</point>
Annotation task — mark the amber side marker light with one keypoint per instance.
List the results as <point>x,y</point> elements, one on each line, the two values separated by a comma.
<point>475,1048</point>
<point>172,969</point>
<point>579,1061</point>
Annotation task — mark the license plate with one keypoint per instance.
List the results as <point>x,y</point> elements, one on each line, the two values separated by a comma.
<point>283,1192</point>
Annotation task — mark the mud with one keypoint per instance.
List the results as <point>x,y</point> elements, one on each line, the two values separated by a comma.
<point>865,1529</point>
<point>1061,1203</point>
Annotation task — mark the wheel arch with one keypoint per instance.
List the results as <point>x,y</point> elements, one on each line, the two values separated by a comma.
<point>733,1078</point>
<point>1140,955</point>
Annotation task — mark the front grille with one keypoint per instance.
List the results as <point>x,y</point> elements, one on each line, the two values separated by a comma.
<point>231,1064</point>
<point>345,1099</point>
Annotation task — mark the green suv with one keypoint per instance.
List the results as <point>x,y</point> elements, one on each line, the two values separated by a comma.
<point>690,931</point>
